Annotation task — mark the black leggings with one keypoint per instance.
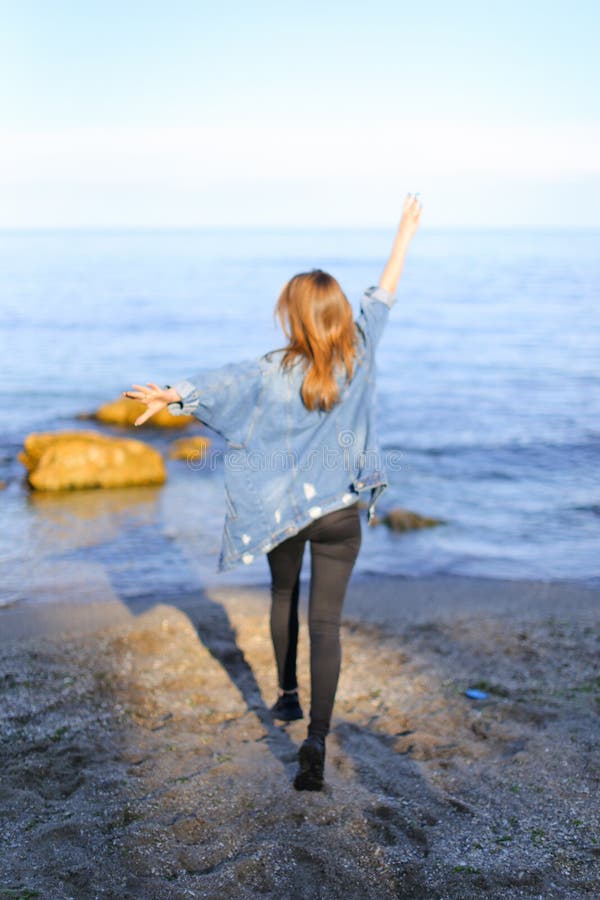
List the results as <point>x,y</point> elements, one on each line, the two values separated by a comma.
<point>335,540</point>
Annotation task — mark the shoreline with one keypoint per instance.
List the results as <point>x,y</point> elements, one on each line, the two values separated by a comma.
<point>138,757</point>
<point>385,600</point>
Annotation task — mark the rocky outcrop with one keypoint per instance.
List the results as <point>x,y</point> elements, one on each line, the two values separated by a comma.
<point>189,448</point>
<point>124,412</point>
<point>399,519</point>
<point>68,460</point>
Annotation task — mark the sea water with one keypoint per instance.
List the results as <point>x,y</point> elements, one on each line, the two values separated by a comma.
<point>488,396</point>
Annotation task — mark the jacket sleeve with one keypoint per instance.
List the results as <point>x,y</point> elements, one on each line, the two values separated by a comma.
<point>224,399</point>
<point>375,306</point>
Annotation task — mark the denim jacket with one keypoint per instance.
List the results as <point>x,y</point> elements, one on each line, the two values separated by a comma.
<point>286,465</point>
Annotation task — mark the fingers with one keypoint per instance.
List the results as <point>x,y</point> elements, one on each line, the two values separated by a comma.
<point>144,388</point>
<point>140,394</point>
<point>154,407</point>
<point>145,394</point>
<point>412,205</point>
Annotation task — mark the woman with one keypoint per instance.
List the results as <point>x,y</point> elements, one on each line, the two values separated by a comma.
<point>302,441</point>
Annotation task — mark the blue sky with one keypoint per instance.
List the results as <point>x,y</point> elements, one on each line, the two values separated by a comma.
<point>313,114</point>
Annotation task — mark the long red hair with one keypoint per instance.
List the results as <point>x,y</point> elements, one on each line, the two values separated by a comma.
<point>317,319</point>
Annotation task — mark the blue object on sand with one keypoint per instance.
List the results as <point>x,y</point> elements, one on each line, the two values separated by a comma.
<point>476,694</point>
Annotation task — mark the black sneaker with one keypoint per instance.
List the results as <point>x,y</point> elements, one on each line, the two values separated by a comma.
<point>311,759</point>
<point>287,708</point>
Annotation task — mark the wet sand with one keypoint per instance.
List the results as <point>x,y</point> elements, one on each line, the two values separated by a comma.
<point>138,757</point>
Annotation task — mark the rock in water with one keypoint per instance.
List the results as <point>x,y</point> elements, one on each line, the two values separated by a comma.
<point>58,461</point>
<point>189,448</point>
<point>124,412</point>
<point>39,441</point>
<point>399,519</point>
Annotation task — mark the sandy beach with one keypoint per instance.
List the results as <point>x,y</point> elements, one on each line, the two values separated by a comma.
<point>139,759</point>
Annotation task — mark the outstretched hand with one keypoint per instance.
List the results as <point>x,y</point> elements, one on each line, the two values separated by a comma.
<point>411,214</point>
<point>154,397</point>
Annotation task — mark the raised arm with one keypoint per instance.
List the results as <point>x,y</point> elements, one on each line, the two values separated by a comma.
<point>408,225</point>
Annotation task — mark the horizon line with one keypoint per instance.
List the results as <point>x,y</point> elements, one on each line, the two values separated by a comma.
<point>279,227</point>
